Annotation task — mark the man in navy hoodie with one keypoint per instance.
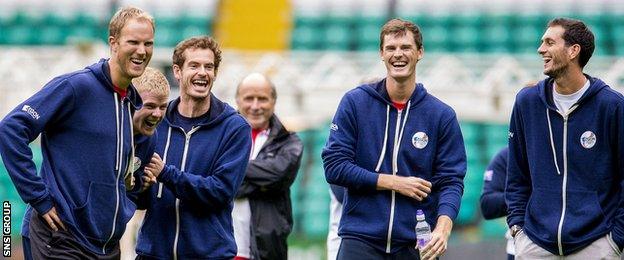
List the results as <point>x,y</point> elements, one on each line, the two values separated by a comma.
<point>85,122</point>
<point>493,196</point>
<point>396,149</point>
<point>205,145</point>
<point>566,144</point>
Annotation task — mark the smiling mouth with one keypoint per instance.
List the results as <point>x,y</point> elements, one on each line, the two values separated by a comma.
<point>200,83</point>
<point>137,61</point>
<point>150,123</point>
<point>399,64</point>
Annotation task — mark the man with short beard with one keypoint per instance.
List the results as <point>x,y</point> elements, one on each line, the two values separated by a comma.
<point>566,144</point>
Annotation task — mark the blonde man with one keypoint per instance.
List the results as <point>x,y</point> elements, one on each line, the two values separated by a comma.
<point>85,121</point>
<point>154,90</point>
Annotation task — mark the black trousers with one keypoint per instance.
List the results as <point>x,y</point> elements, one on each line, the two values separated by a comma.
<point>356,249</point>
<point>48,244</point>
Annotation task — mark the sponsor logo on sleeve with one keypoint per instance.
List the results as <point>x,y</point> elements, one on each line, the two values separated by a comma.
<point>31,111</point>
<point>487,176</point>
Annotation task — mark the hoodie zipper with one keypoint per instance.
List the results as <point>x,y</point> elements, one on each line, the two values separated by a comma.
<point>395,150</point>
<point>398,136</point>
<point>120,137</point>
<point>565,178</point>
<point>187,140</point>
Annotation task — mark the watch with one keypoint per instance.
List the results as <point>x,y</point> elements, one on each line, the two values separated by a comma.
<point>515,229</point>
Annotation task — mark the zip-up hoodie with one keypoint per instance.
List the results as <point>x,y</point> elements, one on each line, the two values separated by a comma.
<point>86,141</point>
<point>189,212</point>
<point>565,172</point>
<point>368,137</point>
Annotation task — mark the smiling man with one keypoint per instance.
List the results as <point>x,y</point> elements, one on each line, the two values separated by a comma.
<point>85,122</point>
<point>565,169</point>
<point>396,149</point>
<point>205,145</point>
<point>262,214</point>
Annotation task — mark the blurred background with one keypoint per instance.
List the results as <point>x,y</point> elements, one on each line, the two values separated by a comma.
<point>478,54</point>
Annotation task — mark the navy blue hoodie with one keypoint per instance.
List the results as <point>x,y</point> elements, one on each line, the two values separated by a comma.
<point>565,172</point>
<point>368,136</point>
<point>493,195</point>
<point>189,213</point>
<point>86,141</point>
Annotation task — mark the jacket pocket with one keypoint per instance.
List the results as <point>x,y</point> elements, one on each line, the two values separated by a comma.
<point>543,214</point>
<point>95,217</point>
<point>584,216</point>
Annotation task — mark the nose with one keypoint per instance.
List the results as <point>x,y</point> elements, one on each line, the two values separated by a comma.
<point>398,52</point>
<point>157,113</point>
<point>541,49</point>
<point>255,104</point>
<point>202,71</point>
<point>142,49</point>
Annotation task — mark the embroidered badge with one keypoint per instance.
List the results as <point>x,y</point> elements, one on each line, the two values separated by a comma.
<point>333,127</point>
<point>420,140</point>
<point>588,139</point>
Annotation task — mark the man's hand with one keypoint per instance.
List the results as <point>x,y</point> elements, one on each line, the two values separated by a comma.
<point>439,239</point>
<point>155,167</point>
<point>412,187</point>
<point>52,218</point>
<point>148,180</point>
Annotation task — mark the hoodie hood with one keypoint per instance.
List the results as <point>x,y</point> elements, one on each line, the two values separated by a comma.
<point>545,88</point>
<point>218,112</point>
<point>378,91</point>
<point>101,70</point>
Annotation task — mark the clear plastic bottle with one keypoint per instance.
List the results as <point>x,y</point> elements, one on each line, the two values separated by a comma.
<point>423,231</point>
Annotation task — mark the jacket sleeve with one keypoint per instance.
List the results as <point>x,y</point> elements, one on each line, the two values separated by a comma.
<point>618,222</point>
<point>493,195</point>
<point>518,184</point>
<point>339,152</point>
<point>275,172</point>
<point>135,194</point>
<point>20,127</point>
<point>449,168</point>
<point>217,189</point>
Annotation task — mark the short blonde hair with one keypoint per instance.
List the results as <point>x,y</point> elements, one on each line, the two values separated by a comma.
<point>152,80</point>
<point>125,14</point>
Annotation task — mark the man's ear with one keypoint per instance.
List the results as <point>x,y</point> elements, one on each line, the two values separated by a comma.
<point>574,51</point>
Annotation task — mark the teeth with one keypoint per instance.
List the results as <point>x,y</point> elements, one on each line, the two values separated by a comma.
<point>200,82</point>
<point>137,61</point>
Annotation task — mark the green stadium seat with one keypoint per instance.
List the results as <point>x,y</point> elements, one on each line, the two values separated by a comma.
<point>305,35</point>
<point>168,33</point>
<point>465,30</point>
<point>528,32</point>
<point>337,34</point>
<point>435,33</point>
<point>367,30</point>
<point>496,36</point>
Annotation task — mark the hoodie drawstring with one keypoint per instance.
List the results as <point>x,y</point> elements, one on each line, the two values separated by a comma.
<point>160,185</point>
<point>117,153</point>
<point>385,142</point>
<point>552,142</point>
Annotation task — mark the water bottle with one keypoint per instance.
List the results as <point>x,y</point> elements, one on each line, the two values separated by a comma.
<point>423,231</point>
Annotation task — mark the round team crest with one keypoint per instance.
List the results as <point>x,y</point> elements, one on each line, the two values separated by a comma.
<point>420,140</point>
<point>588,139</point>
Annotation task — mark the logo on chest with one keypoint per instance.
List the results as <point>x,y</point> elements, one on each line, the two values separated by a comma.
<point>420,140</point>
<point>588,139</point>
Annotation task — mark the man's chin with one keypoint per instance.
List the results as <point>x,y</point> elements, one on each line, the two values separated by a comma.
<point>147,132</point>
